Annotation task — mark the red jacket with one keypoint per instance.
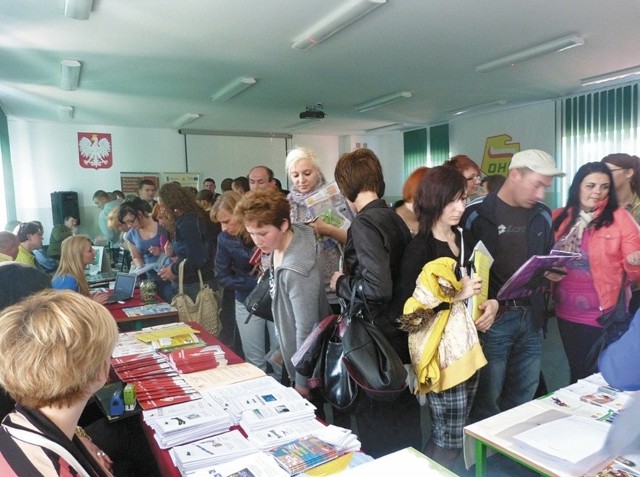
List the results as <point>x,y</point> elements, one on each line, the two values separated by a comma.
<point>608,248</point>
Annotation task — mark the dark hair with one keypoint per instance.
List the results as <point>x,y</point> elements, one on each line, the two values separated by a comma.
<point>225,185</point>
<point>206,195</point>
<point>439,187</point>
<point>145,182</point>
<point>209,179</point>
<point>573,202</point>
<point>100,194</point>
<point>28,228</point>
<point>241,181</point>
<point>134,207</point>
<point>493,182</point>
<point>626,161</point>
<point>177,199</point>
<point>359,171</point>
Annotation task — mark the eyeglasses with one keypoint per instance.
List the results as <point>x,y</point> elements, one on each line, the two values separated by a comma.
<point>474,178</point>
<point>617,169</point>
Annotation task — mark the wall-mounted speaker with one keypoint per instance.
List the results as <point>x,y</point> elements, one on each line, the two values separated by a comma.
<point>64,204</point>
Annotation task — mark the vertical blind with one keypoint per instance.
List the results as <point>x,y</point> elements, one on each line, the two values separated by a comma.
<point>426,147</point>
<point>594,125</point>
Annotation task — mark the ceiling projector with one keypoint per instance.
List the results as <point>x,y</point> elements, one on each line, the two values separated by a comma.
<point>312,114</point>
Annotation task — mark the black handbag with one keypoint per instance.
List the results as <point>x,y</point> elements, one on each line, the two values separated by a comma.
<point>308,353</point>
<point>614,325</point>
<point>258,302</point>
<point>370,359</point>
<point>337,387</point>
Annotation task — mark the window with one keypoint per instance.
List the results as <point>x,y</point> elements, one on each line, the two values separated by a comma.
<point>594,125</point>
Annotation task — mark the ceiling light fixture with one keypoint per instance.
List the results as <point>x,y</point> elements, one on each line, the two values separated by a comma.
<point>70,74</point>
<point>612,76</point>
<point>335,21</point>
<point>235,87</point>
<point>186,119</point>
<point>560,44</point>
<point>383,101</point>
<point>65,113</point>
<point>484,106</point>
<point>78,9</point>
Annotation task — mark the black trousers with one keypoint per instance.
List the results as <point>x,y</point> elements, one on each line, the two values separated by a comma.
<point>577,340</point>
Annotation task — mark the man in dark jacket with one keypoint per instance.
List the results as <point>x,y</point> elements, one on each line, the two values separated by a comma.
<point>514,225</point>
<point>372,255</point>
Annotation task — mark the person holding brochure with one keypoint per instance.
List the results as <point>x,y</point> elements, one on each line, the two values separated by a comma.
<point>514,225</point>
<point>608,239</point>
<point>145,237</point>
<point>306,180</point>
<point>439,203</point>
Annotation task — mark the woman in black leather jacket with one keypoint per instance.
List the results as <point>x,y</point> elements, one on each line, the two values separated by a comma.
<point>372,255</point>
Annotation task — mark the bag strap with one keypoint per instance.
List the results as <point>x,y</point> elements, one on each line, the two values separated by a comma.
<point>181,276</point>
<point>201,281</point>
<point>41,441</point>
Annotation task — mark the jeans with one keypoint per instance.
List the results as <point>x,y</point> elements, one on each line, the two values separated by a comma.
<point>254,336</point>
<point>513,348</point>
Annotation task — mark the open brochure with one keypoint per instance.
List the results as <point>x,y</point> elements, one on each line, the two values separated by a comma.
<point>481,261</point>
<point>329,205</point>
<point>530,275</point>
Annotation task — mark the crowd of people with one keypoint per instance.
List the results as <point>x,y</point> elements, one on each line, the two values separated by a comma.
<point>380,259</point>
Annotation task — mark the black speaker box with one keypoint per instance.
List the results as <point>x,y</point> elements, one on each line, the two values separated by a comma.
<point>64,204</point>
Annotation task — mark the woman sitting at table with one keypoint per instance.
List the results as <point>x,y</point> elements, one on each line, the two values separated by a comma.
<point>297,284</point>
<point>77,253</point>
<point>56,349</point>
<point>608,239</point>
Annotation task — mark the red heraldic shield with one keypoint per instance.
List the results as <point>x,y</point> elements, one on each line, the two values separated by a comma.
<point>94,150</point>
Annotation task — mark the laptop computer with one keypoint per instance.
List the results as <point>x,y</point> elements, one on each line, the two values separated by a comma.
<point>123,288</point>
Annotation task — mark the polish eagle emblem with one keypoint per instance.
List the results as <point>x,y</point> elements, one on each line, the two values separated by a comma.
<point>94,150</point>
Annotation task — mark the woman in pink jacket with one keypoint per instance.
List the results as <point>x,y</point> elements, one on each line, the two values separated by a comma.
<point>608,239</point>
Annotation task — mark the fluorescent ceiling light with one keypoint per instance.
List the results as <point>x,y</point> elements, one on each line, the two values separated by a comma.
<point>335,21</point>
<point>70,74</point>
<point>383,101</point>
<point>560,44</point>
<point>65,113</point>
<point>388,127</point>
<point>78,9</point>
<point>305,123</point>
<point>186,119</point>
<point>233,88</point>
<point>613,76</point>
<point>479,107</point>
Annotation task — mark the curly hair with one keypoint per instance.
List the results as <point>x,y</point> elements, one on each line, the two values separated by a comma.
<point>55,345</point>
<point>440,186</point>
<point>267,206</point>
<point>177,200</point>
<point>71,261</point>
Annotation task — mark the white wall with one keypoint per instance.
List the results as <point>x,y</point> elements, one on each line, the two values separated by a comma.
<point>45,159</point>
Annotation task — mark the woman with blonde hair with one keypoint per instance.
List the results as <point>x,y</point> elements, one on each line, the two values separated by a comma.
<point>236,273</point>
<point>56,350</point>
<point>77,253</point>
<point>306,179</point>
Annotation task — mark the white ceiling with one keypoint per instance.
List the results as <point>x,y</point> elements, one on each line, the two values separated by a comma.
<point>145,63</point>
